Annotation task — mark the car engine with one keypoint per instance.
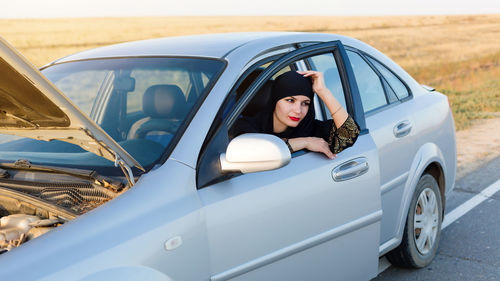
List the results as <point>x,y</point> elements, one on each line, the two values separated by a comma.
<point>29,209</point>
<point>15,229</point>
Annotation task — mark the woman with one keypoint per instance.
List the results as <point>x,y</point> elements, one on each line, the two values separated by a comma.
<point>290,116</point>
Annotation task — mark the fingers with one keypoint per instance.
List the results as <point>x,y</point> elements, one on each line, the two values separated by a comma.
<point>309,73</point>
<point>321,146</point>
<point>325,149</point>
<point>329,153</point>
<point>316,77</point>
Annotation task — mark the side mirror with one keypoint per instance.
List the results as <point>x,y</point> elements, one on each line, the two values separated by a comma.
<point>250,153</point>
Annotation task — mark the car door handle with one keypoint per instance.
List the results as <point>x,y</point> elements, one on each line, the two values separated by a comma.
<point>350,169</point>
<point>402,129</point>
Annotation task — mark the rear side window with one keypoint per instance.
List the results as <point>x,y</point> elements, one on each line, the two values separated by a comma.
<point>369,84</point>
<point>394,82</point>
<point>326,64</point>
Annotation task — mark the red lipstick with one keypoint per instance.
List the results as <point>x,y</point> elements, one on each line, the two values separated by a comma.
<point>294,118</point>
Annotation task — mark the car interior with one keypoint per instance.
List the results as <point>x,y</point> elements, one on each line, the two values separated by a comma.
<point>261,98</point>
<point>140,103</point>
<point>165,108</point>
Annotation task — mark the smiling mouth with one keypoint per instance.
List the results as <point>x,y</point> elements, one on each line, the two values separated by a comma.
<point>294,118</point>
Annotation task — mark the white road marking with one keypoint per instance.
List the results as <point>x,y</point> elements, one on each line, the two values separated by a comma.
<point>470,204</point>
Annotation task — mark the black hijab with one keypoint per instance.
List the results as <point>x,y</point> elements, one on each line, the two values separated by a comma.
<point>287,84</point>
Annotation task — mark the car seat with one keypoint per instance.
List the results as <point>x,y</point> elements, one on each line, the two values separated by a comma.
<point>165,107</point>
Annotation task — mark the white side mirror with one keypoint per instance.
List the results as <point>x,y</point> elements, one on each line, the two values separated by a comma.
<point>249,153</point>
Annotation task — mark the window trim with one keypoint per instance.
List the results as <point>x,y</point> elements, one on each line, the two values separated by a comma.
<point>410,93</point>
<point>217,123</point>
<point>347,84</point>
<point>205,163</point>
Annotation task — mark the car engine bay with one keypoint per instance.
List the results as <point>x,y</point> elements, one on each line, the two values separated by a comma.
<point>32,203</point>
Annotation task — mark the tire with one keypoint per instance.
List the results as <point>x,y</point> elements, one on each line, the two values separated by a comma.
<point>423,227</point>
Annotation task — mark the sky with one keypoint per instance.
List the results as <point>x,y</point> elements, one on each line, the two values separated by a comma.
<point>118,8</point>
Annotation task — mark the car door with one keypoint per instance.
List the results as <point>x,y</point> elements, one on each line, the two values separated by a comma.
<point>389,106</point>
<point>314,219</point>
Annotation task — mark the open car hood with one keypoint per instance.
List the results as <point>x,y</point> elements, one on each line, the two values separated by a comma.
<point>31,106</point>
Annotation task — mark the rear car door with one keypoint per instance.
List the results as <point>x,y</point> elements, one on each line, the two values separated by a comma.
<point>314,219</point>
<point>388,106</point>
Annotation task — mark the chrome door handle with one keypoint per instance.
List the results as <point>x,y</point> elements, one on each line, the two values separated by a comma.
<point>350,169</point>
<point>402,129</point>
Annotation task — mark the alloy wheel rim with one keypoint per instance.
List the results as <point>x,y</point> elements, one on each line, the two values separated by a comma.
<point>426,221</point>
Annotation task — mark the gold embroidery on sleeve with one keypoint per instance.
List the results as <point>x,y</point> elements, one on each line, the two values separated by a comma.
<point>344,136</point>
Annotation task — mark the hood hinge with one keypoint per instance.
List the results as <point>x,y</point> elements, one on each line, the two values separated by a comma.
<point>127,171</point>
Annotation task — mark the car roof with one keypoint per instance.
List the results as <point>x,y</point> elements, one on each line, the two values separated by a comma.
<point>208,45</point>
<point>243,46</point>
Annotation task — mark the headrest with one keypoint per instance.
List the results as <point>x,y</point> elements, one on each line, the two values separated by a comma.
<point>164,101</point>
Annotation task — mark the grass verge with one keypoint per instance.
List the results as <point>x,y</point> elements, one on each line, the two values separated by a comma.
<point>472,86</point>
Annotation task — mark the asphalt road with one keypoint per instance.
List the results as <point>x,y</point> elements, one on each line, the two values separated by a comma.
<point>470,246</point>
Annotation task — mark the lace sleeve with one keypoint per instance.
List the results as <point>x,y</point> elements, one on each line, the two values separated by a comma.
<point>343,137</point>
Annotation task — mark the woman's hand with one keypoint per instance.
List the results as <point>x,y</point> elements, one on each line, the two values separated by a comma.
<point>318,80</point>
<point>339,114</point>
<point>319,145</point>
<point>312,144</point>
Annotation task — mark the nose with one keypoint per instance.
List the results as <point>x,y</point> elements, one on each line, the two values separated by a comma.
<point>297,108</point>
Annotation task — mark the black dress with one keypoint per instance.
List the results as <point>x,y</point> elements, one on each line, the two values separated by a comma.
<point>288,84</point>
<point>337,138</point>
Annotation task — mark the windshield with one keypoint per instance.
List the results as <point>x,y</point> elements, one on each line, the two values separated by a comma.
<point>140,102</point>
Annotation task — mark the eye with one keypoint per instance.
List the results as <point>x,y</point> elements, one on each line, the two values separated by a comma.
<point>306,103</point>
<point>290,100</point>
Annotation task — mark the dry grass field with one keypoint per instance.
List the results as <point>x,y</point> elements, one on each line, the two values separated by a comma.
<point>458,55</point>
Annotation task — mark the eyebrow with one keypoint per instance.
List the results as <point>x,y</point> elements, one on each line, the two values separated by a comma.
<point>291,97</point>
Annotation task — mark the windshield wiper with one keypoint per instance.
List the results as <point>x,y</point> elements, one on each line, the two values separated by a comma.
<point>106,182</point>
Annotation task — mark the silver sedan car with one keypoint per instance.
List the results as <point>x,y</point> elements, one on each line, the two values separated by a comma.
<point>117,163</point>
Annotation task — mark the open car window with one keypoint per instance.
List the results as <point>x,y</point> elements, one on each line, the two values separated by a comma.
<point>222,131</point>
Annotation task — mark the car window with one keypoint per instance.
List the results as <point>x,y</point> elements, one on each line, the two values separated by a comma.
<point>261,99</point>
<point>82,87</point>
<point>145,78</point>
<point>225,130</point>
<point>225,124</point>
<point>394,82</point>
<point>114,90</point>
<point>369,84</point>
<point>250,78</point>
<point>326,64</point>
<point>255,73</point>
<point>391,95</point>
<point>283,70</point>
<point>204,79</point>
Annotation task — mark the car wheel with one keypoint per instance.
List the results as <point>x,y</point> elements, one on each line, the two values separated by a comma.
<point>423,227</point>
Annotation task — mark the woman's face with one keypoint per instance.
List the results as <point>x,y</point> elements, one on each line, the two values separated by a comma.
<point>289,111</point>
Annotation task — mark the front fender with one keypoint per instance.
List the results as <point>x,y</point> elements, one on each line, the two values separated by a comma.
<point>427,154</point>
